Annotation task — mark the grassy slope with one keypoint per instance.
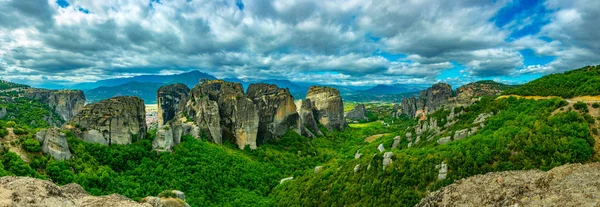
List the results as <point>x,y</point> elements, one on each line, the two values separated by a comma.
<point>579,82</point>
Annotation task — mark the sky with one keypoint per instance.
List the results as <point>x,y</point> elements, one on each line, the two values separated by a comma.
<point>340,42</point>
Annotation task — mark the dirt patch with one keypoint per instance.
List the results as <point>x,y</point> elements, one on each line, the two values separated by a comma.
<point>374,137</point>
<point>16,148</point>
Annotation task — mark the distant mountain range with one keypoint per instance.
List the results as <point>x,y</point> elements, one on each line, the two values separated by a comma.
<point>190,79</point>
<point>145,87</point>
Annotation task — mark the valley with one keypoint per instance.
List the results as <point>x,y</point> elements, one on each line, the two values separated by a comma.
<point>221,145</point>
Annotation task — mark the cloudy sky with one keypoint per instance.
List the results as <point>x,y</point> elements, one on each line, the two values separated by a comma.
<point>348,42</point>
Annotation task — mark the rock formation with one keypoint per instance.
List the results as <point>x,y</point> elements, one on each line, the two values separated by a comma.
<point>442,171</point>
<point>66,103</point>
<point>358,113</point>
<point>172,198</point>
<point>308,122</point>
<point>170,134</point>
<point>568,185</point>
<point>171,100</point>
<point>221,109</point>
<point>387,159</point>
<point>25,191</point>
<point>429,100</point>
<point>285,180</point>
<point>329,107</point>
<point>276,110</point>
<point>396,142</point>
<point>468,93</point>
<point>54,143</point>
<point>113,121</point>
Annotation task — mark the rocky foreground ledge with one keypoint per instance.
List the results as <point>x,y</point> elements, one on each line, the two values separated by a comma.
<point>568,185</point>
<point>25,191</point>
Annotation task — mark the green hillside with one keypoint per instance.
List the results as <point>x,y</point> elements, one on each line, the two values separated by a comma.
<point>580,82</point>
<point>8,85</point>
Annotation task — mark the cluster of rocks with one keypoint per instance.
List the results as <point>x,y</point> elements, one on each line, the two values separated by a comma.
<point>357,114</point>
<point>25,191</point>
<point>441,95</point>
<point>117,120</point>
<point>66,103</point>
<point>222,111</point>
<point>568,185</point>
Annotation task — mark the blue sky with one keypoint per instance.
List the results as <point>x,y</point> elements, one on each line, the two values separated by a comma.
<point>357,42</point>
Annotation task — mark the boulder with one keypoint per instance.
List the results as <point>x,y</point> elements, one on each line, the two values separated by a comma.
<point>358,113</point>
<point>380,148</point>
<point>387,158</point>
<point>169,198</point>
<point>482,118</point>
<point>567,185</point>
<point>442,171</point>
<point>356,168</point>
<point>66,103</point>
<point>328,106</point>
<point>444,140</point>
<point>408,137</point>
<point>285,180</point>
<point>473,131</point>
<point>461,134</point>
<point>277,111</point>
<point>171,100</point>
<point>357,154</point>
<point>396,142</point>
<point>54,143</point>
<point>318,168</point>
<point>118,120</point>
<point>308,123</point>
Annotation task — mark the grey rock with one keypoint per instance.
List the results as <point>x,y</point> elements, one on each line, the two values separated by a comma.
<point>473,131</point>
<point>357,168</point>
<point>170,135</point>
<point>54,143</point>
<point>285,180</point>
<point>442,170</point>
<point>318,168</point>
<point>380,148</point>
<point>461,134</point>
<point>444,140</point>
<point>567,185</point>
<point>328,106</point>
<point>358,113</point>
<point>387,158</point>
<point>277,111</point>
<point>429,100</point>
<point>66,103</point>
<point>117,119</point>
<point>357,155</point>
<point>3,112</point>
<point>308,121</point>
<point>171,100</point>
<point>396,142</point>
<point>481,118</point>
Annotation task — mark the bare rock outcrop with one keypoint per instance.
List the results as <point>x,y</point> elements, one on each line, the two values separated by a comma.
<point>358,113</point>
<point>169,135</point>
<point>3,112</point>
<point>116,120</point>
<point>308,122</point>
<point>66,103</point>
<point>276,110</point>
<point>171,100</point>
<point>429,100</point>
<point>222,110</point>
<point>329,107</point>
<point>25,191</point>
<point>568,185</point>
<point>54,143</point>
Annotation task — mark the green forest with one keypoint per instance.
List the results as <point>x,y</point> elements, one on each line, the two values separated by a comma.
<point>579,82</point>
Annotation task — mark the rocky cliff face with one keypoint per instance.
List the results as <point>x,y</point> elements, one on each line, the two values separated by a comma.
<point>222,109</point>
<point>358,113</point>
<point>568,185</point>
<point>171,100</point>
<point>66,103</point>
<point>170,134</point>
<point>308,122</point>
<point>54,143</point>
<point>276,110</point>
<point>25,191</point>
<point>328,106</point>
<point>113,121</point>
<point>429,100</point>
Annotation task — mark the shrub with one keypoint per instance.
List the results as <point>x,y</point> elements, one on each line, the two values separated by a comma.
<point>11,124</point>
<point>580,106</point>
<point>31,145</point>
<point>596,105</point>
